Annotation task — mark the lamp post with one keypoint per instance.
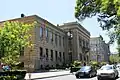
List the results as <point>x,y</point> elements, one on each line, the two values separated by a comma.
<point>70,37</point>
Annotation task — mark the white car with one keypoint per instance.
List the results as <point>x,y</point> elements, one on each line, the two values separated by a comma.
<point>107,71</point>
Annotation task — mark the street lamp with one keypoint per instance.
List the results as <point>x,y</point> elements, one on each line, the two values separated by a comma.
<point>70,37</point>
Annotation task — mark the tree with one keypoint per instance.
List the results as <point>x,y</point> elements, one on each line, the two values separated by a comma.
<point>107,12</point>
<point>114,58</point>
<point>14,36</point>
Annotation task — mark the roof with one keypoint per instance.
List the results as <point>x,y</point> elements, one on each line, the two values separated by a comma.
<point>31,18</point>
<point>75,23</point>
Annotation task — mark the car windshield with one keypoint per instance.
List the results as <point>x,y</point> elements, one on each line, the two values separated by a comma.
<point>106,67</point>
<point>85,68</point>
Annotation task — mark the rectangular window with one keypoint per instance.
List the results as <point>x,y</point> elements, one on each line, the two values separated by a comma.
<point>60,40</point>
<point>56,55</point>
<point>41,32</point>
<point>80,43</point>
<point>51,37</point>
<point>63,56</point>
<point>56,39</point>
<point>46,54</point>
<point>83,43</point>
<point>63,42</point>
<point>80,56</point>
<point>46,30</point>
<point>60,55</point>
<point>41,51</point>
<point>51,54</point>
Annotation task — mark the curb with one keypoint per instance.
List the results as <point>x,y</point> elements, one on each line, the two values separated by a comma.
<point>50,76</point>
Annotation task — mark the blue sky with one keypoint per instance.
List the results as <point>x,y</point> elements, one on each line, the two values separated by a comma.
<point>55,11</point>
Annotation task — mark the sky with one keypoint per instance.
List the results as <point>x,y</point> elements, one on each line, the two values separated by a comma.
<point>55,11</point>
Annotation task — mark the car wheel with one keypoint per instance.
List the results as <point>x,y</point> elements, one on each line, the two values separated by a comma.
<point>95,73</point>
<point>114,77</point>
<point>117,76</point>
<point>77,76</point>
<point>99,78</point>
<point>90,75</point>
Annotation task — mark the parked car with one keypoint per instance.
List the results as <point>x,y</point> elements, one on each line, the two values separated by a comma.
<point>107,71</point>
<point>86,71</point>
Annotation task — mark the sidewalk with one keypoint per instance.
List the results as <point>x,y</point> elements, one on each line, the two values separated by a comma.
<point>46,75</point>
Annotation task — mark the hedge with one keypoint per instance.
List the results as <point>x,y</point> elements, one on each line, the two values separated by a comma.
<point>12,75</point>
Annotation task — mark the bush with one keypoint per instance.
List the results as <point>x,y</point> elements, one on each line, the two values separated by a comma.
<point>12,75</point>
<point>94,64</point>
<point>8,78</point>
<point>103,63</point>
<point>76,63</point>
<point>75,66</point>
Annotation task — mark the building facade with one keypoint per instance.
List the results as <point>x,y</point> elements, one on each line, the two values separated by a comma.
<point>99,50</point>
<point>52,47</point>
<point>79,43</point>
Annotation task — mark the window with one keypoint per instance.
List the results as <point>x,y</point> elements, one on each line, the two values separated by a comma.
<point>46,54</point>
<point>60,55</point>
<point>60,40</point>
<point>63,41</point>
<point>87,44</point>
<point>46,34</point>
<point>83,43</point>
<point>51,54</point>
<point>84,58</point>
<point>51,37</point>
<point>63,56</point>
<point>80,41</point>
<point>56,39</point>
<point>41,66</point>
<point>41,32</point>
<point>56,55</point>
<point>41,51</point>
<point>80,56</point>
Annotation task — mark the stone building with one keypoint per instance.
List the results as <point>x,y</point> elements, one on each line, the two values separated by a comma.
<point>80,42</point>
<point>52,47</point>
<point>99,50</point>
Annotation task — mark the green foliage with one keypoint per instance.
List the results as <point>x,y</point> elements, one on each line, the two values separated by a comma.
<point>114,58</point>
<point>94,64</point>
<point>8,78</point>
<point>76,63</point>
<point>89,8</point>
<point>103,63</point>
<point>107,12</point>
<point>13,37</point>
<point>13,75</point>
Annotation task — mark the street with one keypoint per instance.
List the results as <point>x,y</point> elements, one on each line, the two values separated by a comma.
<point>69,77</point>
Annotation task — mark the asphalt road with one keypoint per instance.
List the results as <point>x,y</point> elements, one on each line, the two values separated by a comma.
<point>70,77</point>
